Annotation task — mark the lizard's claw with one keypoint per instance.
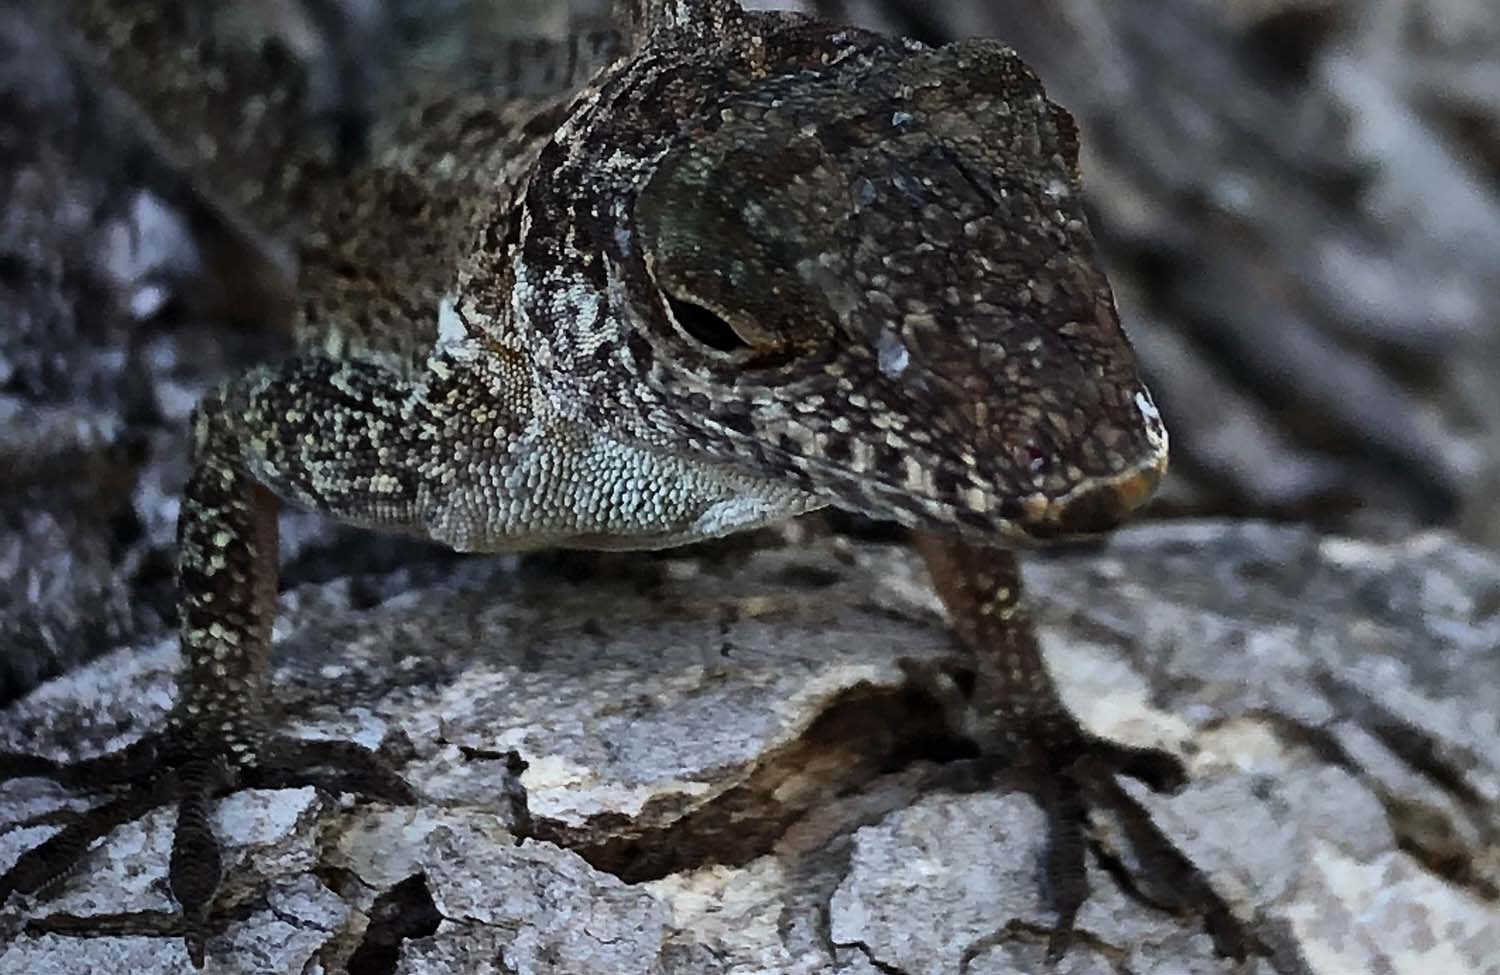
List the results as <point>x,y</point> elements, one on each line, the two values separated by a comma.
<point>1158,770</point>
<point>172,766</point>
<point>1071,773</point>
<point>330,764</point>
<point>1070,779</point>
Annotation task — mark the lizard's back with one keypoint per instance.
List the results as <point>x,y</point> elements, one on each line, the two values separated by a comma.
<point>377,216</point>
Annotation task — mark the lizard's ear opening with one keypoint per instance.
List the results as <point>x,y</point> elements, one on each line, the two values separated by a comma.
<point>707,327</point>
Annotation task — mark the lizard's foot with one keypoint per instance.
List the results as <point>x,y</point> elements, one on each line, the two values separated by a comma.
<point>178,766</point>
<point>1072,774</point>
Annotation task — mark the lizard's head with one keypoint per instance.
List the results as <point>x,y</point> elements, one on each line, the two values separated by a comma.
<point>853,262</point>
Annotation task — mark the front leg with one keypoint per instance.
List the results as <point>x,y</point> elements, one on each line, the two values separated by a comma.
<point>312,430</point>
<point>466,453</point>
<point>1020,718</point>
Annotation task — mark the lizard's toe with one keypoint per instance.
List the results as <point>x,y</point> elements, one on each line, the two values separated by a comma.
<point>47,863</point>
<point>332,765</point>
<point>1074,777</point>
<point>175,766</point>
<point>125,766</point>
<point>1156,768</point>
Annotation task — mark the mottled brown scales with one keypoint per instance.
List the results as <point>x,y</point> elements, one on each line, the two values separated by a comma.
<point>757,266</point>
<point>846,214</point>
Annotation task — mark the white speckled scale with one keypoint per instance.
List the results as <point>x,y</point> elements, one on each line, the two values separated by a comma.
<point>559,483</point>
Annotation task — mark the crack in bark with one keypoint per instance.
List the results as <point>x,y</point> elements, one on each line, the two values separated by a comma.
<point>402,913</point>
<point>885,968</point>
<point>852,741</point>
<point>513,793</point>
<point>860,735</point>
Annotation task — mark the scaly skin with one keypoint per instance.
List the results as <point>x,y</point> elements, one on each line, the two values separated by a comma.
<point>756,266</point>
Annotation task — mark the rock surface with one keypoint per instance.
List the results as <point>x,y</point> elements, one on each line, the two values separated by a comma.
<point>729,770</point>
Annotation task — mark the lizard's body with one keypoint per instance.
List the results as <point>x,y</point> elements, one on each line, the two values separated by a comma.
<point>758,266</point>
<point>386,250</point>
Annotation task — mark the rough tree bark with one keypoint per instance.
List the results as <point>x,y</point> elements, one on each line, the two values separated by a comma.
<point>730,768</point>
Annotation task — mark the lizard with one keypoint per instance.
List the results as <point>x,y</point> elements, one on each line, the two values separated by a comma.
<point>755,266</point>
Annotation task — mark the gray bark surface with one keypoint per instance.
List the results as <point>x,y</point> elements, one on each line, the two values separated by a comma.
<point>730,768</point>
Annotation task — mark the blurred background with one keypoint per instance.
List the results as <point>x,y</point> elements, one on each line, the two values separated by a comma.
<point>1298,200</point>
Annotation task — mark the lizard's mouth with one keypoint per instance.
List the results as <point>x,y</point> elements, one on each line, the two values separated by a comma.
<point>936,495</point>
<point>1101,502</point>
<point>1098,504</point>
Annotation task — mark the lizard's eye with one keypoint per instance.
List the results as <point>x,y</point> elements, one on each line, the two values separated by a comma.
<point>705,326</point>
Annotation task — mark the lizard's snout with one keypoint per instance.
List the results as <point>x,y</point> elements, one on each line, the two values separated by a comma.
<point>1101,502</point>
<point>1100,505</point>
